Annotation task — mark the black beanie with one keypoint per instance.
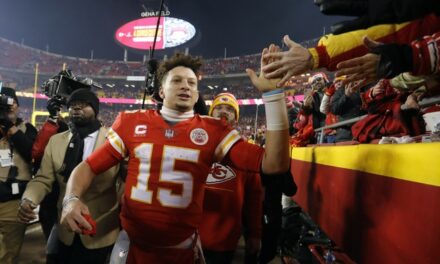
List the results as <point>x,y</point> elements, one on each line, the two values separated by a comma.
<point>9,92</point>
<point>85,95</point>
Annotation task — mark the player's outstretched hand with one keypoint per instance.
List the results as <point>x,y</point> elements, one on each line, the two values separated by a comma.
<point>72,217</point>
<point>262,83</point>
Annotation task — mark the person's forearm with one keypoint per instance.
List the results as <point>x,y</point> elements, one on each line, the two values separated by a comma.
<point>79,180</point>
<point>325,104</point>
<point>43,180</point>
<point>276,158</point>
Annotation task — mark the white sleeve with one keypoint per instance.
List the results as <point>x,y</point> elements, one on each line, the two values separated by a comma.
<point>325,104</point>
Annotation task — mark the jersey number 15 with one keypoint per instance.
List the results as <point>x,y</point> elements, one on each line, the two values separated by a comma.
<point>168,174</point>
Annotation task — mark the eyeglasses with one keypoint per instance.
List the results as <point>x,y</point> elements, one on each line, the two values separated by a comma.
<point>78,104</point>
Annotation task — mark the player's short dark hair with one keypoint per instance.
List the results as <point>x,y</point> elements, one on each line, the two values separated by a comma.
<point>179,59</point>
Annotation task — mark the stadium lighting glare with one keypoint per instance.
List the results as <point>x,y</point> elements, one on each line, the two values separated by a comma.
<point>127,85</point>
<point>307,74</point>
<point>132,85</point>
<point>210,87</point>
<point>225,88</point>
<point>303,75</point>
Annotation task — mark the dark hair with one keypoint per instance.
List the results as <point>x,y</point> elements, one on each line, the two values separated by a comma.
<point>200,106</point>
<point>179,59</point>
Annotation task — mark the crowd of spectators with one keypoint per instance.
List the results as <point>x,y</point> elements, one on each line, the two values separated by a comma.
<point>18,65</point>
<point>375,93</point>
<point>323,106</point>
<point>16,56</point>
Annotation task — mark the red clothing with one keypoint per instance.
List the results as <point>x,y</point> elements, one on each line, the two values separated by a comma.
<point>46,132</point>
<point>167,170</point>
<point>425,54</point>
<point>229,195</point>
<point>333,49</point>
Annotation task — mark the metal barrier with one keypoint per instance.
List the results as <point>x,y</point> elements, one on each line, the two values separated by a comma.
<point>320,131</point>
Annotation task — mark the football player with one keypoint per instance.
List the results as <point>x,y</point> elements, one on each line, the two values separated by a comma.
<point>170,153</point>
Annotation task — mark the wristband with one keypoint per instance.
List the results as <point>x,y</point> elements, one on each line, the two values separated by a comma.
<point>276,110</point>
<point>69,198</point>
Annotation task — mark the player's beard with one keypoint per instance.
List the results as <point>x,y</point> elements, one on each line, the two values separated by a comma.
<point>82,121</point>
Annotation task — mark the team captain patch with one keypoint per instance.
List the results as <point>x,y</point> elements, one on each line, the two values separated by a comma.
<point>199,136</point>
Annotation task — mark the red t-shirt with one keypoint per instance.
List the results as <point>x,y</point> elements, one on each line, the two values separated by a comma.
<point>167,169</point>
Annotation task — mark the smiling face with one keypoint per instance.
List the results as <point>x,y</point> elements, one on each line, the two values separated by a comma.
<point>179,89</point>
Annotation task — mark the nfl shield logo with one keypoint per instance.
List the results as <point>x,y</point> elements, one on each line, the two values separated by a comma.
<point>169,133</point>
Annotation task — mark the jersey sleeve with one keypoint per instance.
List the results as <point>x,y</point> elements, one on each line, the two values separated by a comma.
<point>332,49</point>
<point>115,136</point>
<point>245,156</point>
<point>112,151</point>
<point>228,139</point>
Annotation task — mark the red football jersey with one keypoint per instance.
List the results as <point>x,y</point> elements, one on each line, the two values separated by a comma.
<point>167,169</point>
<point>233,198</point>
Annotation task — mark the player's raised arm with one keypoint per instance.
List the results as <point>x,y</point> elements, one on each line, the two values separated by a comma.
<point>276,158</point>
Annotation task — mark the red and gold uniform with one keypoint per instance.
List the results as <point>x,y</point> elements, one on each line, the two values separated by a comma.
<point>230,195</point>
<point>167,170</point>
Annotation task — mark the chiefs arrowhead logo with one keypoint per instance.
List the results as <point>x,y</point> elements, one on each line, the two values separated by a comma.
<point>219,174</point>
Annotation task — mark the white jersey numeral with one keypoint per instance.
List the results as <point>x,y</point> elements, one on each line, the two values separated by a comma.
<point>140,192</point>
<point>168,174</point>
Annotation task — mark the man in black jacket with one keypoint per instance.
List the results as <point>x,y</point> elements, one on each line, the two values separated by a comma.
<point>346,104</point>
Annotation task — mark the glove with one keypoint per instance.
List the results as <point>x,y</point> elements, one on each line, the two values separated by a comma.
<point>54,107</point>
<point>5,124</point>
